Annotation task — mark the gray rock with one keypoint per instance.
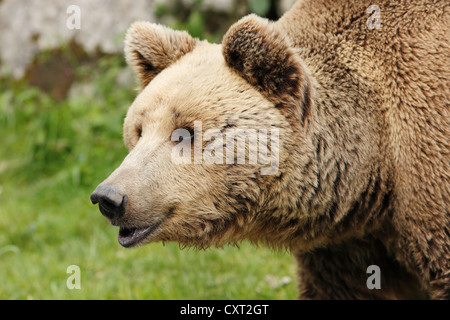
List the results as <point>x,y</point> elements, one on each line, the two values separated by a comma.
<point>27,27</point>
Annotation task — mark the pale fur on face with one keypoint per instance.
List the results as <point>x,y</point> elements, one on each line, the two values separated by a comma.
<point>196,204</point>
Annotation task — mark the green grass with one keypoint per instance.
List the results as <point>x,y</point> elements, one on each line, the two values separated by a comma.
<point>52,155</point>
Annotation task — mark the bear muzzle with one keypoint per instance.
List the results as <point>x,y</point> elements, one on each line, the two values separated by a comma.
<point>112,203</point>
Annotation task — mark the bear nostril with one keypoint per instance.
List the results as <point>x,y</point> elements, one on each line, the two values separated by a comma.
<point>112,203</point>
<point>94,198</point>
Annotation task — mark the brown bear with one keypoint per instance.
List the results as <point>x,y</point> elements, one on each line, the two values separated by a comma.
<point>353,102</point>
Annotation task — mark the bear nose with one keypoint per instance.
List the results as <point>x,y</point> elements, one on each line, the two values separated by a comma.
<point>111,203</point>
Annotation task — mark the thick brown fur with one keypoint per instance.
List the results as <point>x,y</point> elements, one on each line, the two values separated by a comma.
<point>364,166</point>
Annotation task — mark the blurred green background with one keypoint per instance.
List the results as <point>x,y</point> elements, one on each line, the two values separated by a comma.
<point>61,135</point>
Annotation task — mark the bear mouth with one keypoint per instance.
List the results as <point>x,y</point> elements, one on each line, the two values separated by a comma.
<point>129,237</point>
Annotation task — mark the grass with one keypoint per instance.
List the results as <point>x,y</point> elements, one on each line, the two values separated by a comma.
<point>52,156</point>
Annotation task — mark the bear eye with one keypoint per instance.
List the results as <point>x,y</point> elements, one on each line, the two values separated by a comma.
<point>186,133</point>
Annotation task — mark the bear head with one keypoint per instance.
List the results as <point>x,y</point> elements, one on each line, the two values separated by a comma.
<point>214,137</point>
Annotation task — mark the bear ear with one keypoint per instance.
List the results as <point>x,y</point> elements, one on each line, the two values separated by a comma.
<point>263,55</point>
<point>150,48</point>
